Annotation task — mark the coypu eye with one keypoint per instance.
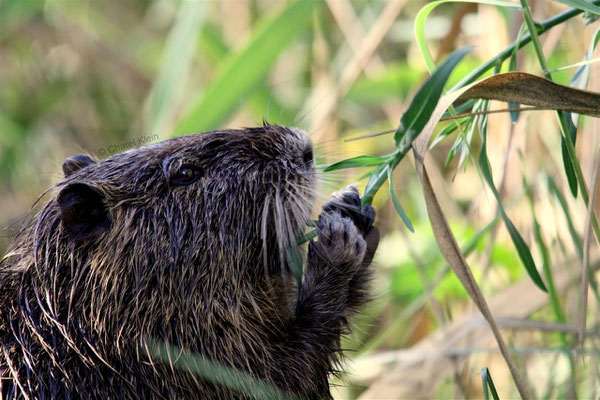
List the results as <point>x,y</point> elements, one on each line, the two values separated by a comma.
<point>186,175</point>
<point>307,157</point>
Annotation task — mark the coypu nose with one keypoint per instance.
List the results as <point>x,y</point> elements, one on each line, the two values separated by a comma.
<point>307,157</point>
<point>306,146</point>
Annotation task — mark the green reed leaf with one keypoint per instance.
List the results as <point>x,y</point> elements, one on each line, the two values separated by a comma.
<point>521,246</point>
<point>214,372</point>
<point>421,107</point>
<point>488,385</point>
<point>396,202</point>
<point>581,5</point>
<point>354,162</point>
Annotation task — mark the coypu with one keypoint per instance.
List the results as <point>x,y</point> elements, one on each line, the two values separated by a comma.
<point>184,242</point>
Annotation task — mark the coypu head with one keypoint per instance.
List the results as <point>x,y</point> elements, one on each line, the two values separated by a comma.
<point>233,186</point>
<point>164,241</point>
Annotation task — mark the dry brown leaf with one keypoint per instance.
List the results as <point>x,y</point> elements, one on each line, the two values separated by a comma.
<point>453,255</point>
<point>523,88</point>
<point>446,240</point>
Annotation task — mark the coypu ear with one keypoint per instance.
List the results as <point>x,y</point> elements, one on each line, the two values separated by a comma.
<point>75,163</point>
<point>82,210</point>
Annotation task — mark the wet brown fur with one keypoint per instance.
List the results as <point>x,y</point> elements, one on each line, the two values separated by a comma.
<point>200,266</point>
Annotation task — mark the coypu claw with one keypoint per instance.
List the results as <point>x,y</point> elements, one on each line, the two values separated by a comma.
<point>347,203</point>
<point>340,240</point>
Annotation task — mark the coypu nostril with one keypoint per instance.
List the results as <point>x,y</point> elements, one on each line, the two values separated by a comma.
<point>307,157</point>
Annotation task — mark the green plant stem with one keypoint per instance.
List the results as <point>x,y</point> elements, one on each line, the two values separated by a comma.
<point>558,311</point>
<point>579,174</point>
<point>383,176</point>
<point>535,38</point>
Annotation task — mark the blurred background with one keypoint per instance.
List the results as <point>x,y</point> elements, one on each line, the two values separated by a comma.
<point>99,77</point>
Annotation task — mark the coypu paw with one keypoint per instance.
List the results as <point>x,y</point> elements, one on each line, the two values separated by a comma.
<point>345,207</point>
<point>337,277</point>
<point>340,242</point>
<point>347,203</point>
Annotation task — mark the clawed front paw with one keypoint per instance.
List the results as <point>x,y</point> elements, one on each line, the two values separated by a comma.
<point>339,241</point>
<point>338,273</point>
<point>346,236</point>
<point>347,203</point>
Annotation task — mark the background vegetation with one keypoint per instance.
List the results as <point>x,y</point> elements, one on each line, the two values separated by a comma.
<point>98,77</point>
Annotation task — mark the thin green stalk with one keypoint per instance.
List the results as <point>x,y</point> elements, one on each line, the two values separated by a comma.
<point>558,311</point>
<point>535,38</point>
<point>561,115</point>
<point>579,174</point>
<point>382,177</point>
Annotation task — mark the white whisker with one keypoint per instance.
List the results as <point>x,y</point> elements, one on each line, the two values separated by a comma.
<point>263,234</point>
<point>279,229</point>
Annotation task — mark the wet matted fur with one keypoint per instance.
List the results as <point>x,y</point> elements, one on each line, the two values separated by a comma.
<point>184,242</point>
